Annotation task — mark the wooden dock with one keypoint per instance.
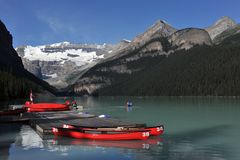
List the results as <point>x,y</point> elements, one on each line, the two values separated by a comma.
<point>13,119</point>
<point>43,122</point>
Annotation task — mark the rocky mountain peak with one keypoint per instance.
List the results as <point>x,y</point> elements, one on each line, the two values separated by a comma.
<point>158,29</point>
<point>220,26</point>
<point>189,37</point>
<point>226,20</point>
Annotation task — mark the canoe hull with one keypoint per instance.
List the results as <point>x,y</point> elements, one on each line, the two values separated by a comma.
<point>45,107</point>
<point>74,133</point>
<point>154,131</point>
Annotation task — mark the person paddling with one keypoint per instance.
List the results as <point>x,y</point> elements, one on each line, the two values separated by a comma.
<point>74,104</point>
<point>71,102</point>
<point>129,106</point>
<point>129,103</point>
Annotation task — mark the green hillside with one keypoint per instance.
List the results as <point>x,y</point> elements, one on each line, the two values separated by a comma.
<point>200,71</point>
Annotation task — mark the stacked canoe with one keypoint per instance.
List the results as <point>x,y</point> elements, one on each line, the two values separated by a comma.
<point>45,107</point>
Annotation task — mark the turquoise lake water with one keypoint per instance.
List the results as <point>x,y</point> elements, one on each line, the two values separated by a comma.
<point>196,128</point>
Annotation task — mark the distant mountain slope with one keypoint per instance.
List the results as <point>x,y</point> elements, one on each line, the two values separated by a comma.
<point>185,62</point>
<point>160,61</point>
<point>55,63</point>
<point>160,29</point>
<point>200,71</point>
<point>135,62</point>
<point>15,81</point>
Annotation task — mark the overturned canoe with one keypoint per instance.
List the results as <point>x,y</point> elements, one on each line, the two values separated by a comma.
<point>99,135</point>
<point>154,131</point>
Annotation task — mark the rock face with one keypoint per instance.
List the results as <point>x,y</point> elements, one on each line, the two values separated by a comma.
<point>159,29</point>
<point>220,26</point>
<point>227,33</point>
<point>187,38</point>
<point>152,47</point>
<point>33,67</point>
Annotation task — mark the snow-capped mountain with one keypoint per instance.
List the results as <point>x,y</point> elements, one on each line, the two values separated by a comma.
<point>55,62</point>
<point>62,52</point>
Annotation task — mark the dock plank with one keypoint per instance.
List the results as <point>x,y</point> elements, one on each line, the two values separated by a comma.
<point>43,122</point>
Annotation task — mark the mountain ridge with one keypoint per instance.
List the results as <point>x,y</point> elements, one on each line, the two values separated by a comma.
<point>135,58</point>
<point>132,57</point>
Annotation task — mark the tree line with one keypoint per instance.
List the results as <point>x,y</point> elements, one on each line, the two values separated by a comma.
<point>12,86</point>
<point>200,71</point>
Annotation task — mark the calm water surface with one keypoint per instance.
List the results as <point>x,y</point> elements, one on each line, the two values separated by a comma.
<point>195,129</point>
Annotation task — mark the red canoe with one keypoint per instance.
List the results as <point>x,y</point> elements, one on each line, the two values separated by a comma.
<point>98,135</point>
<point>154,131</point>
<point>44,107</point>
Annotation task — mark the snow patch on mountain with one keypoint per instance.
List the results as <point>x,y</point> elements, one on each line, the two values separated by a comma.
<point>79,56</point>
<point>60,44</point>
<point>46,76</point>
<point>126,40</point>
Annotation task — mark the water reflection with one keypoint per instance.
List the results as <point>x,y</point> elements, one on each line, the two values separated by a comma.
<point>28,139</point>
<point>129,109</point>
<point>146,144</point>
<point>196,144</point>
<point>187,146</point>
<point>195,129</point>
<point>7,137</point>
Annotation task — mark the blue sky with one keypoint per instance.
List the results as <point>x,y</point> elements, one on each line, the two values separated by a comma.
<point>36,22</point>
